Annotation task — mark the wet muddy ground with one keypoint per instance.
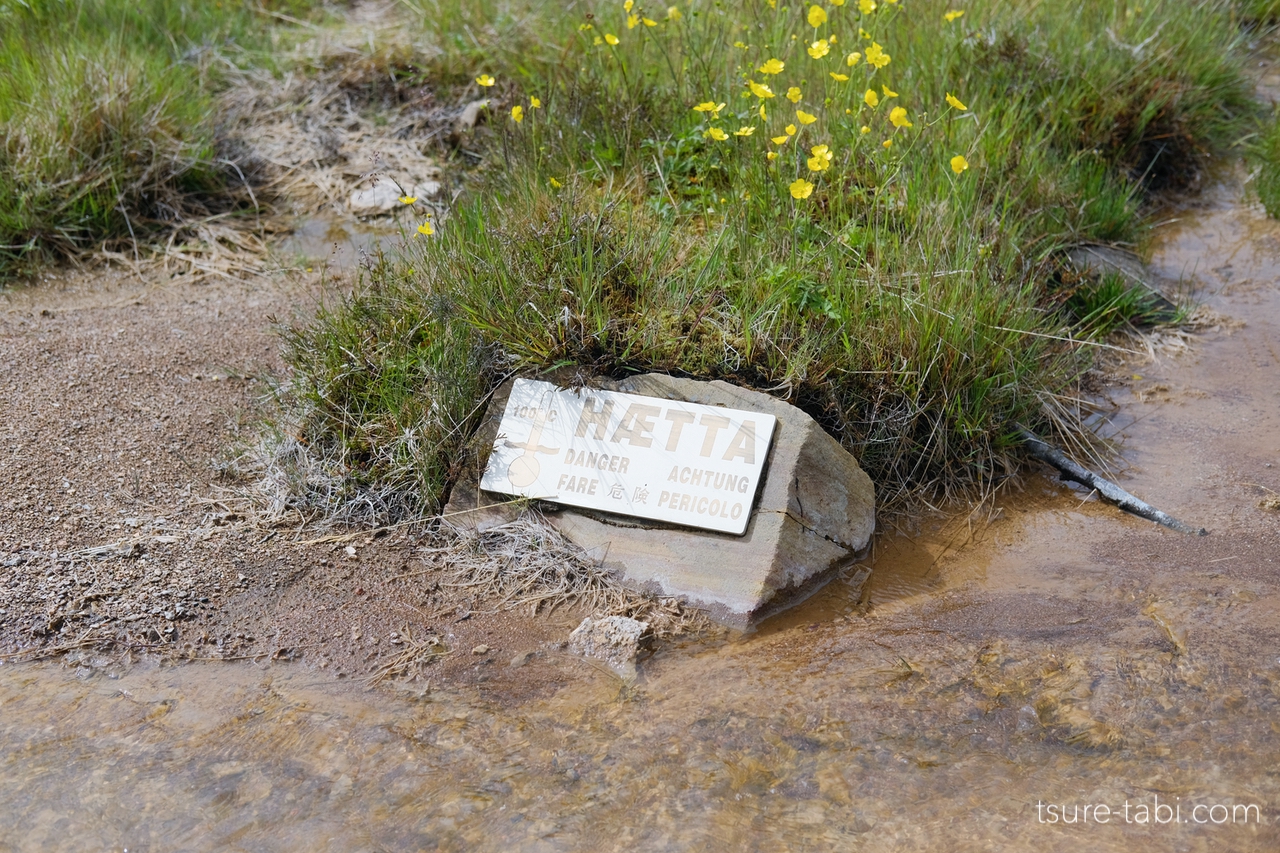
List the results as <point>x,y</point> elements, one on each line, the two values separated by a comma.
<point>1045,651</point>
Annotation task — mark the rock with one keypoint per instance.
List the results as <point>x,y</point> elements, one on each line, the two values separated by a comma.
<point>384,196</point>
<point>612,639</point>
<point>481,649</point>
<point>426,189</point>
<point>814,514</point>
<point>470,114</point>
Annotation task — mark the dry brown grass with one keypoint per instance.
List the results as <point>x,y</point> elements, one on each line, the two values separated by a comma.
<point>528,565</point>
<point>350,108</point>
<point>413,658</point>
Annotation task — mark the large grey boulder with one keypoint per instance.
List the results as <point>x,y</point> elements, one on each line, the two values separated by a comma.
<point>814,514</point>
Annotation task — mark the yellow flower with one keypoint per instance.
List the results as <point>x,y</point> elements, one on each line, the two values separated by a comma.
<point>888,93</point>
<point>819,48</point>
<point>955,102</point>
<point>805,118</point>
<point>831,39</point>
<point>582,28</point>
<point>853,59</point>
<point>716,133</point>
<point>817,16</point>
<point>744,131</point>
<point>821,159</point>
<point>800,189</point>
<point>863,34</point>
<point>772,155</point>
<point>864,130</point>
<point>837,2</point>
<point>649,22</point>
<point>866,7</point>
<point>780,140</point>
<point>632,20</point>
<point>408,199</point>
<point>773,66</point>
<point>839,78</point>
<point>741,45</point>
<point>611,38</point>
<point>673,14</point>
<point>628,6</point>
<point>554,183</point>
<point>793,95</point>
<point>760,90</point>
<point>871,98</point>
<point>952,15</point>
<point>517,113</point>
<point>485,80</point>
<point>534,102</point>
<point>425,229</point>
<point>710,107</point>
<point>888,143</point>
<point>876,56</point>
<point>597,41</point>
<point>959,164</point>
<point>763,115</point>
<point>790,129</point>
<point>898,117</point>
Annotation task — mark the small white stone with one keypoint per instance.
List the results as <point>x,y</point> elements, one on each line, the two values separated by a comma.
<point>382,197</point>
<point>612,639</point>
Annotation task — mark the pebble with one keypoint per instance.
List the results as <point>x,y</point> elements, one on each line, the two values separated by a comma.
<point>481,649</point>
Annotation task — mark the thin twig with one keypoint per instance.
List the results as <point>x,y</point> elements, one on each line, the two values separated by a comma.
<point>1106,489</point>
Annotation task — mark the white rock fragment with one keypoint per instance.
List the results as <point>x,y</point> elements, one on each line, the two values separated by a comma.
<point>612,639</point>
<point>384,196</point>
<point>470,115</point>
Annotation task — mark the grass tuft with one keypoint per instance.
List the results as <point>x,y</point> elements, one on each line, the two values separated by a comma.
<point>1264,151</point>
<point>107,132</point>
<point>903,292</point>
<point>526,563</point>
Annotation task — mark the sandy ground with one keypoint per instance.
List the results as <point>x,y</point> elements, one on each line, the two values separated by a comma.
<point>121,399</point>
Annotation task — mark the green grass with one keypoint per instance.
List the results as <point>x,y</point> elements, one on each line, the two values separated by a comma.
<point>913,310</point>
<point>1259,12</point>
<point>1264,154</point>
<point>106,118</point>
<point>1108,304</point>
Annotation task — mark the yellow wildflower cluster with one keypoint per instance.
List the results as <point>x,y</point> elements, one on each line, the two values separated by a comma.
<point>823,19</point>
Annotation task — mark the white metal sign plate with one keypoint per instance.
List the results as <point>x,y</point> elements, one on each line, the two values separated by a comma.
<point>666,460</point>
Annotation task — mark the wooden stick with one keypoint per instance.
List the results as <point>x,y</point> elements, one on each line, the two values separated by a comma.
<point>1108,490</point>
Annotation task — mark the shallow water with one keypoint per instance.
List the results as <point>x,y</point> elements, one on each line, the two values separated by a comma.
<point>1046,650</point>
<point>339,242</point>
